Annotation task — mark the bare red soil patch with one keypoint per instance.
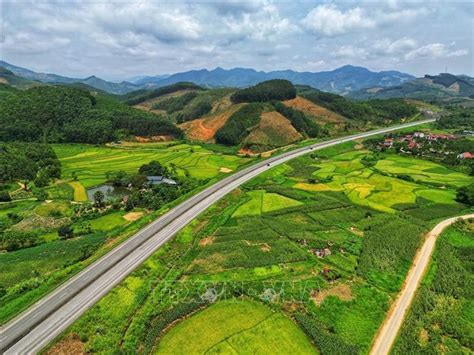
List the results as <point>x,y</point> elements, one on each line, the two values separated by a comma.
<point>204,129</point>
<point>320,113</point>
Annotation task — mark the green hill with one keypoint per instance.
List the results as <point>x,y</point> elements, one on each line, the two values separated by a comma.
<point>8,78</point>
<point>71,114</point>
<point>139,96</point>
<point>445,87</point>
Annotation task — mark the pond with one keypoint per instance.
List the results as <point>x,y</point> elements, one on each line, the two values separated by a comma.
<point>110,192</point>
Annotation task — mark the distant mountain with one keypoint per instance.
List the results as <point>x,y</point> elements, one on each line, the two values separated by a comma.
<point>7,77</point>
<point>342,80</point>
<point>442,87</point>
<point>110,87</point>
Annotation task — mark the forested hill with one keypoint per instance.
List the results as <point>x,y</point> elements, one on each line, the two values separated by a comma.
<point>378,111</point>
<point>70,114</point>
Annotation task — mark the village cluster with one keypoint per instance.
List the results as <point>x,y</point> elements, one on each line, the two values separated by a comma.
<point>408,143</point>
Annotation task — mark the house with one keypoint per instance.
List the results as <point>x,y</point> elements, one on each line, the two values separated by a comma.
<point>388,143</point>
<point>419,135</point>
<point>157,180</point>
<point>465,155</point>
<point>321,253</point>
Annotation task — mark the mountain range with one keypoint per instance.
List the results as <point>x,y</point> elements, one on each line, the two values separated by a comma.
<point>342,80</point>
<point>443,87</point>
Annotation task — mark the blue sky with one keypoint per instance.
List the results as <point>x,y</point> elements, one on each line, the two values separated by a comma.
<point>121,39</point>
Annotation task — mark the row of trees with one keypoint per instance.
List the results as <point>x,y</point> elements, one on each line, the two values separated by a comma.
<point>69,114</point>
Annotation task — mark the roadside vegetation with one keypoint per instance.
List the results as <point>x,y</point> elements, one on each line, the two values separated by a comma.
<point>440,319</point>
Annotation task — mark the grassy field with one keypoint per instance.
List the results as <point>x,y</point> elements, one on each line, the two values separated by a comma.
<point>91,163</point>
<point>331,238</point>
<point>237,327</point>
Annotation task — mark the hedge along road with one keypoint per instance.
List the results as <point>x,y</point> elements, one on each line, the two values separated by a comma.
<point>389,330</point>
<point>42,322</point>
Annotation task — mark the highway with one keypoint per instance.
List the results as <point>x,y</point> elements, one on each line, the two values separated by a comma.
<point>44,320</point>
<point>390,328</point>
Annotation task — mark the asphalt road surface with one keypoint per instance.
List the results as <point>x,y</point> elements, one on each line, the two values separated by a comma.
<point>389,331</point>
<point>43,321</point>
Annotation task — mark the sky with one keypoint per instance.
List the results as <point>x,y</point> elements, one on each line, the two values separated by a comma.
<point>117,40</point>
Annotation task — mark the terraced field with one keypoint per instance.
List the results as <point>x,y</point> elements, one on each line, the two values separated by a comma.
<point>379,187</point>
<point>91,163</point>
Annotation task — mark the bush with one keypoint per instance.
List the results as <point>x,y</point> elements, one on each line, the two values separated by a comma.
<point>465,194</point>
<point>65,232</point>
<point>5,196</point>
<point>276,89</point>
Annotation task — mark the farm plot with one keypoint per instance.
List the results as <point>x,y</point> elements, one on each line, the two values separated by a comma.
<point>380,187</point>
<point>90,164</point>
<point>236,327</point>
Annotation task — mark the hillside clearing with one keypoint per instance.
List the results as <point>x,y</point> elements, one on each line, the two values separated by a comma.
<point>204,129</point>
<point>274,130</point>
<point>322,115</point>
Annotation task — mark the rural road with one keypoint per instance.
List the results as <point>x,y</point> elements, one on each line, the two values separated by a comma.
<point>389,330</point>
<point>44,320</point>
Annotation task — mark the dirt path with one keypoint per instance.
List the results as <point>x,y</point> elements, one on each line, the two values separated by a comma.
<point>392,324</point>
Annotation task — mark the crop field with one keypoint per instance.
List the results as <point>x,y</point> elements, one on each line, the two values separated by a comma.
<point>380,187</point>
<point>91,163</point>
<point>324,240</point>
<point>236,326</point>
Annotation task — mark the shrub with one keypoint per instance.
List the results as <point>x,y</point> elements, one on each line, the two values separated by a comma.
<point>5,196</point>
<point>465,194</point>
<point>65,232</point>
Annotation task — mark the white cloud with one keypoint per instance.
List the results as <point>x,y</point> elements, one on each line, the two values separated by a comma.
<point>329,20</point>
<point>434,51</point>
<point>351,52</point>
<point>398,46</point>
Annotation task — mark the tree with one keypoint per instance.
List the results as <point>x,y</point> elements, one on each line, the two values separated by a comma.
<point>40,195</point>
<point>465,194</point>
<point>5,196</point>
<point>99,198</point>
<point>65,232</point>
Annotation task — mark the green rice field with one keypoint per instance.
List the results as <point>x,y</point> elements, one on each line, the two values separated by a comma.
<point>91,163</point>
<point>236,327</point>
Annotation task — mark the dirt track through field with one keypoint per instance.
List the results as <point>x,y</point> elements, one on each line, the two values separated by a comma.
<point>388,332</point>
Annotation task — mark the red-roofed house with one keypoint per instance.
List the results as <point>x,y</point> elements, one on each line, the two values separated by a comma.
<point>466,155</point>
